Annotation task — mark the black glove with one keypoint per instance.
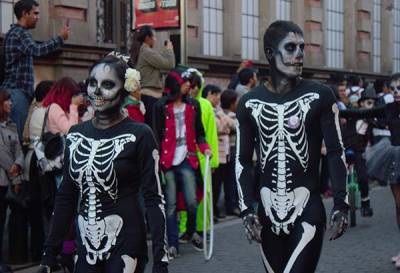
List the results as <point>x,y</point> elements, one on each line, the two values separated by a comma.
<point>160,268</point>
<point>252,227</point>
<point>339,222</point>
<point>48,262</point>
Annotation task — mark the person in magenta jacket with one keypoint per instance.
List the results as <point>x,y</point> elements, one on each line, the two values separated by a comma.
<point>180,133</point>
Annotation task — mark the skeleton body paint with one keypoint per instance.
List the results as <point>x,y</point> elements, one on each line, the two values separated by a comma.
<point>282,130</point>
<point>92,169</point>
<point>285,121</point>
<point>107,160</point>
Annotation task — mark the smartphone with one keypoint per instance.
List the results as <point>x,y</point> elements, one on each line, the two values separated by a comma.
<point>68,22</point>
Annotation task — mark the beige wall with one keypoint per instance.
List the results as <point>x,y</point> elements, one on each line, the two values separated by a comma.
<point>309,14</point>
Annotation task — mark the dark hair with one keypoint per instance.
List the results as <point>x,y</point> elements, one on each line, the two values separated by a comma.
<point>245,75</point>
<point>354,80</point>
<point>395,76</point>
<point>277,31</point>
<point>24,6</point>
<point>42,89</point>
<point>119,65</point>
<point>228,97</point>
<point>335,90</point>
<point>211,89</point>
<point>4,96</point>
<point>139,35</point>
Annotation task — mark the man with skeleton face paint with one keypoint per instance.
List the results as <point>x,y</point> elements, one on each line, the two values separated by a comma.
<point>107,160</point>
<point>285,121</point>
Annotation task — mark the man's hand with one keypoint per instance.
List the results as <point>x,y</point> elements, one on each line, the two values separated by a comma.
<point>64,32</point>
<point>252,227</point>
<point>169,45</point>
<point>338,224</point>
<point>14,170</point>
<point>208,153</point>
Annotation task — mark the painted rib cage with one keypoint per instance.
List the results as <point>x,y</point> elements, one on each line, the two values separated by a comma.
<point>283,140</point>
<point>92,169</point>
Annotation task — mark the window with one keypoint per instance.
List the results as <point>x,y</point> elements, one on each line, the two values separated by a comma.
<point>283,9</point>
<point>376,52</point>
<point>334,33</point>
<point>7,15</point>
<point>250,31</point>
<point>213,27</point>
<point>396,37</point>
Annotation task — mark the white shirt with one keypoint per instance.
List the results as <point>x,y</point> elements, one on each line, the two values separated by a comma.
<point>181,147</point>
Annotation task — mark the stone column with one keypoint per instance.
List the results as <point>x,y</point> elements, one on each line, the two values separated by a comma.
<point>313,33</point>
<point>364,35</point>
<point>232,29</point>
<point>350,34</point>
<point>387,36</point>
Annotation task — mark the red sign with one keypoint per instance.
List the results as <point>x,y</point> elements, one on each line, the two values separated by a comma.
<point>157,13</point>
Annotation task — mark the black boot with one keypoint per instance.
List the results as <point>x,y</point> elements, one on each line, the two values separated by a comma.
<point>366,210</point>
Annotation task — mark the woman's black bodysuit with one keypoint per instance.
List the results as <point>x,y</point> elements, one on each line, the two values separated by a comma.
<point>103,172</point>
<point>287,130</point>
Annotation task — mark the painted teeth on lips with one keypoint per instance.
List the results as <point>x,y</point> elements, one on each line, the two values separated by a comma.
<point>99,101</point>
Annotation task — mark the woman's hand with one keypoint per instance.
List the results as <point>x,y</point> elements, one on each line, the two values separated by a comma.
<point>77,100</point>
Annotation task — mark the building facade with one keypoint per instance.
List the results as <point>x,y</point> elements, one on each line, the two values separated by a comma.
<point>349,36</point>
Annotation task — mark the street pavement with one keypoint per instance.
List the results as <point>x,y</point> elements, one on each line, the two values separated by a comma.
<point>366,248</point>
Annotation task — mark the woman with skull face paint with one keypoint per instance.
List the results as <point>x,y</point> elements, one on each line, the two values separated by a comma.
<point>285,120</point>
<point>107,160</point>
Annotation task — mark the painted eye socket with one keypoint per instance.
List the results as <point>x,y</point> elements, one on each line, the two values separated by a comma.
<point>302,47</point>
<point>290,47</point>
<point>92,83</point>
<point>108,84</point>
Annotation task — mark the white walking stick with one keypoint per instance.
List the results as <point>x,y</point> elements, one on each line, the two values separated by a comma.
<point>208,250</point>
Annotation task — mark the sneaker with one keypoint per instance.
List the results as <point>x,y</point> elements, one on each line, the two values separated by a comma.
<point>184,238</point>
<point>173,253</point>
<point>395,258</point>
<point>366,210</point>
<point>197,242</point>
<point>397,264</point>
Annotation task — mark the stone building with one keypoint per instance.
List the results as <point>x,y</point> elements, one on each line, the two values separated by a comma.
<point>350,36</point>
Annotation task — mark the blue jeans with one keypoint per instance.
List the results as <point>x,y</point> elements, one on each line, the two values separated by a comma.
<point>19,109</point>
<point>185,175</point>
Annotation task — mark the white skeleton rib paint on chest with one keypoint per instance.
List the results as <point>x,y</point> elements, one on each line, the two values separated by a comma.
<point>283,138</point>
<point>92,168</point>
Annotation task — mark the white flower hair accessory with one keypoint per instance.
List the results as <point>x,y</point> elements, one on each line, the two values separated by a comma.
<point>132,80</point>
<point>119,55</point>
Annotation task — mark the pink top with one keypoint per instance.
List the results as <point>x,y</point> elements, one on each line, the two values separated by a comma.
<point>59,121</point>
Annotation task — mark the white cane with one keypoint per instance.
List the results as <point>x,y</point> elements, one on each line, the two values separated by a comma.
<point>208,250</point>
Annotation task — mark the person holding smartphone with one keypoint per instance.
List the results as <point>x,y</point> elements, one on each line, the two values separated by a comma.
<point>149,62</point>
<point>19,50</point>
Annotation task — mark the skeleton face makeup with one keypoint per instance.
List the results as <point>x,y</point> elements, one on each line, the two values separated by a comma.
<point>289,55</point>
<point>395,88</point>
<point>104,88</point>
